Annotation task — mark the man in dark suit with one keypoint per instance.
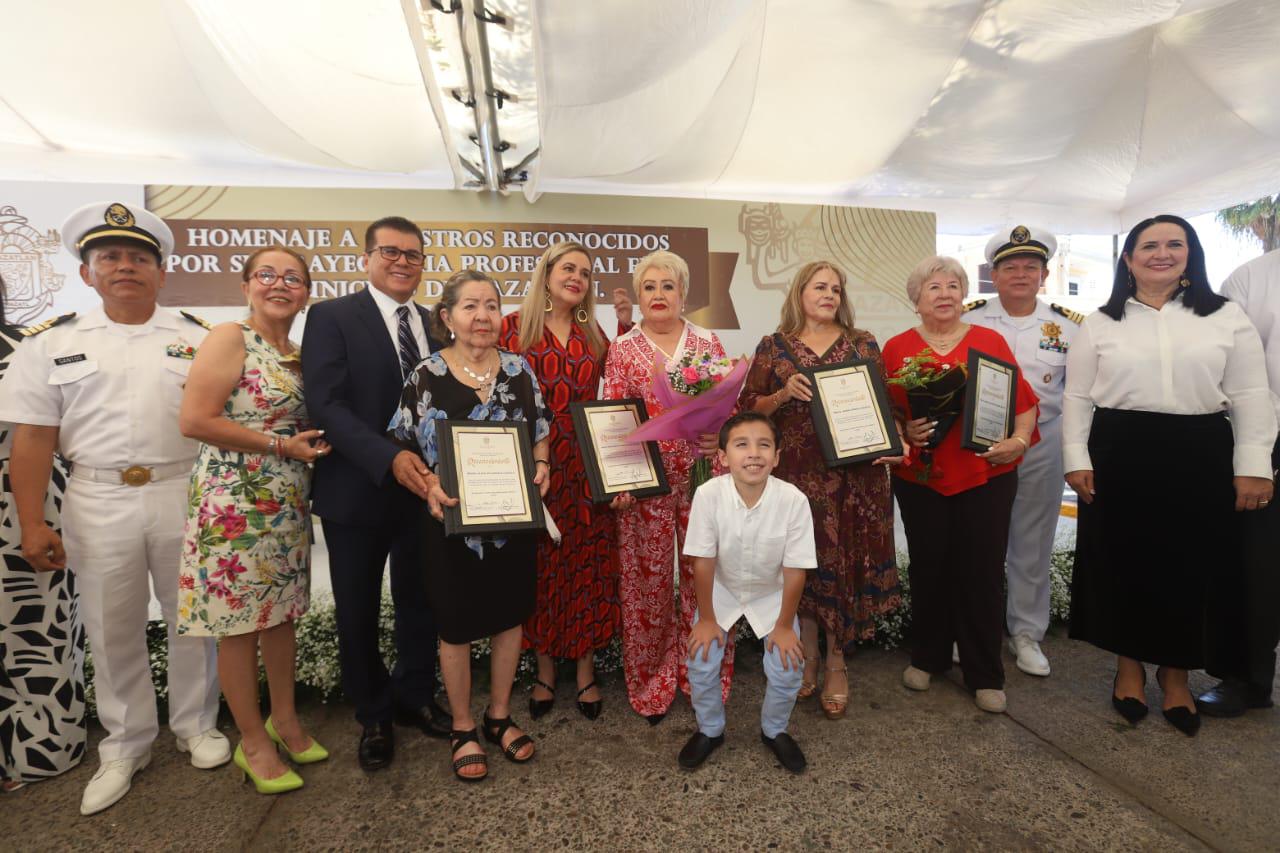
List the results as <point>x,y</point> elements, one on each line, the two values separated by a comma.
<point>369,492</point>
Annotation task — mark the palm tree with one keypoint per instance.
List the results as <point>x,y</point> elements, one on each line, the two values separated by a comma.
<point>1259,218</point>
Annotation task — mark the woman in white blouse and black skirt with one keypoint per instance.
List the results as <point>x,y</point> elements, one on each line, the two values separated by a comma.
<point>1180,439</point>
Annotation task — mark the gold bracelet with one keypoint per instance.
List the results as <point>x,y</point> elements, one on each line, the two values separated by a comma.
<point>1025,446</point>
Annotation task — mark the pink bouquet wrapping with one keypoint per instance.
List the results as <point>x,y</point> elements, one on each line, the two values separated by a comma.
<point>697,394</point>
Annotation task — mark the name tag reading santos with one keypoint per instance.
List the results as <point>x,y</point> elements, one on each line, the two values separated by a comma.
<point>851,413</point>
<point>615,465</point>
<point>989,401</point>
<point>488,467</point>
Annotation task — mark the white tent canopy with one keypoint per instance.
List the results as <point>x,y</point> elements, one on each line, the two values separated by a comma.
<point>1082,115</point>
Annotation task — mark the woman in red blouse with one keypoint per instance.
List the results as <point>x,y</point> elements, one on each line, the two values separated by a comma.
<point>577,593</point>
<point>956,504</point>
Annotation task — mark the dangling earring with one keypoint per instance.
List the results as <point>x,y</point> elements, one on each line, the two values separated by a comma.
<point>582,315</point>
<point>1184,282</point>
<point>547,305</point>
<point>451,335</point>
<point>1133,283</point>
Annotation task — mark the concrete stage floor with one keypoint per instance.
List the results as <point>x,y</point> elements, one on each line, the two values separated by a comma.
<point>903,771</point>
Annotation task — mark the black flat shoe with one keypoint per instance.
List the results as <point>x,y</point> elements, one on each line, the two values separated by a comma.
<point>786,750</point>
<point>1231,698</point>
<point>1182,718</point>
<point>494,729</point>
<point>697,749</point>
<point>377,747</point>
<point>1133,710</point>
<point>654,719</point>
<point>590,710</point>
<point>541,707</point>
<point>430,719</point>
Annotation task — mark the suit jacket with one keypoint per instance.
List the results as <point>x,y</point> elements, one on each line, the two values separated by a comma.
<point>351,378</point>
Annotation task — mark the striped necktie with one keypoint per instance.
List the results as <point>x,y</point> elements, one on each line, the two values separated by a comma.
<point>409,355</point>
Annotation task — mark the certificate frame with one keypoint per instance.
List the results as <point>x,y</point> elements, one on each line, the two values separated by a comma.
<point>650,480</point>
<point>458,441</point>
<point>842,443</point>
<point>983,369</point>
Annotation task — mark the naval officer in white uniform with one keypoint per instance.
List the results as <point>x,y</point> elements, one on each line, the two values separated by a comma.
<point>1039,335</point>
<point>105,388</point>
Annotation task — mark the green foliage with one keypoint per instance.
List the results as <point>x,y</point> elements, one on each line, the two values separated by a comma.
<point>1259,219</point>
<point>917,371</point>
<point>320,674</point>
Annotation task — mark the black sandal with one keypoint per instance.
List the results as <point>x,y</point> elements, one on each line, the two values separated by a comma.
<point>495,729</point>
<point>541,707</point>
<point>458,739</point>
<point>590,710</point>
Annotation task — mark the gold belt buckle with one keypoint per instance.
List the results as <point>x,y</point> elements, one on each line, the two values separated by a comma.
<point>135,475</point>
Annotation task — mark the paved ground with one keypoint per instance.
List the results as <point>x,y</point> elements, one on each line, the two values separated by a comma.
<point>904,771</point>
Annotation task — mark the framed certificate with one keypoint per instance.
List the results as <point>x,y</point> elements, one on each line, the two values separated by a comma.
<point>488,467</point>
<point>615,465</point>
<point>851,413</point>
<point>988,401</point>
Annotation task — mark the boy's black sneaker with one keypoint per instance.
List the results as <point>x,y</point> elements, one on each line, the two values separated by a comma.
<point>698,748</point>
<point>787,751</point>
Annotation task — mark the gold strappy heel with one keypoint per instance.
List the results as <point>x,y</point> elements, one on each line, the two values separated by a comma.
<point>835,704</point>
<point>808,688</point>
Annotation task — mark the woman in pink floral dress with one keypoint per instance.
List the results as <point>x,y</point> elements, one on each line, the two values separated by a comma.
<point>654,635</point>
<point>246,555</point>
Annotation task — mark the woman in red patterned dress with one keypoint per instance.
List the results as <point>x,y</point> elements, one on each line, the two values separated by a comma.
<point>654,636</point>
<point>577,599</point>
<point>857,575</point>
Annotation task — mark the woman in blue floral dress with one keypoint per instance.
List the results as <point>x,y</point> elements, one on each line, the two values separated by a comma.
<point>246,556</point>
<point>480,586</point>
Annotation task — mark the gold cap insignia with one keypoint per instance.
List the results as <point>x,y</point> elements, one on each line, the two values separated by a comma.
<point>118,215</point>
<point>1019,234</point>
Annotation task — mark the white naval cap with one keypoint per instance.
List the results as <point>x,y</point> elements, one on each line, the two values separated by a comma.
<point>1021,240</point>
<point>111,220</point>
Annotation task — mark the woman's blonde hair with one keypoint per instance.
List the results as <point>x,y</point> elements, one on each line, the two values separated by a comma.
<point>533,310</point>
<point>668,262</point>
<point>930,267</point>
<point>792,320</point>
<point>449,300</point>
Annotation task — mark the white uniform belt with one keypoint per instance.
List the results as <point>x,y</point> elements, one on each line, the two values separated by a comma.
<point>134,475</point>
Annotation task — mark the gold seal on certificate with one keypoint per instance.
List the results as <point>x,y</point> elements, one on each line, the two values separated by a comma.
<point>488,467</point>
<point>615,465</point>
<point>851,413</point>
<point>989,398</point>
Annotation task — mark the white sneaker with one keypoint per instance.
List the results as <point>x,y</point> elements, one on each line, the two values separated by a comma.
<point>1029,657</point>
<point>955,653</point>
<point>991,701</point>
<point>915,679</point>
<point>112,781</point>
<point>208,750</point>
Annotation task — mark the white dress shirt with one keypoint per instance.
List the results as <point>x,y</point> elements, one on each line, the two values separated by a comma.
<point>387,308</point>
<point>113,390</point>
<point>1174,362</point>
<point>751,546</point>
<point>1255,287</point>
<point>1040,342</point>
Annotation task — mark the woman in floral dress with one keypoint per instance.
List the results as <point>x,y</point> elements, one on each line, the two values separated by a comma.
<point>577,607</point>
<point>857,574</point>
<point>245,570</point>
<point>654,636</point>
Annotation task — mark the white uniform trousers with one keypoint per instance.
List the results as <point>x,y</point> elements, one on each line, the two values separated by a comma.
<point>1031,530</point>
<point>117,537</point>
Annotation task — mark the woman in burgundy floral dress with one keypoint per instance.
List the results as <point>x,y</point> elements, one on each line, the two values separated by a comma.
<point>857,575</point>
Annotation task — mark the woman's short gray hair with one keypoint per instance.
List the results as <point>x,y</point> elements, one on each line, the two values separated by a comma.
<point>930,267</point>
<point>668,262</point>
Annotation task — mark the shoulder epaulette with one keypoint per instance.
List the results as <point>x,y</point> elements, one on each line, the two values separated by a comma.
<point>193,318</point>
<point>977,303</point>
<point>46,325</point>
<point>1074,316</point>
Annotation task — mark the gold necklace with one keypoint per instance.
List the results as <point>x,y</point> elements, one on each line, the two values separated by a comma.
<point>943,343</point>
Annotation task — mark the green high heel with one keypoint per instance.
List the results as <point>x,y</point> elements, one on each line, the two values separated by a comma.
<point>310,755</point>
<point>290,781</point>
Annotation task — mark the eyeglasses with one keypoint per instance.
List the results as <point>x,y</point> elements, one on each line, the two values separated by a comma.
<point>269,277</point>
<point>412,256</point>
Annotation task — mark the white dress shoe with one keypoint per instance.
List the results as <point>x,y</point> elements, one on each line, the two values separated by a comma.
<point>991,701</point>
<point>112,781</point>
<point>1029,657</point>
<point>915,679</point>
<point>208,750</point>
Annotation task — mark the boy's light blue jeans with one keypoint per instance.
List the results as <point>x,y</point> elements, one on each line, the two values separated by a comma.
<point>779,694</point>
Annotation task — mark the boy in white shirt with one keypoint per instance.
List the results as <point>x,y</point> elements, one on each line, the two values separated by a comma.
<point>751,537</point>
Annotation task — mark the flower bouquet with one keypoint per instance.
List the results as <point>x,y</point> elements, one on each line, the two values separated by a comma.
<point>934,391</point>
<point>698,394</point>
